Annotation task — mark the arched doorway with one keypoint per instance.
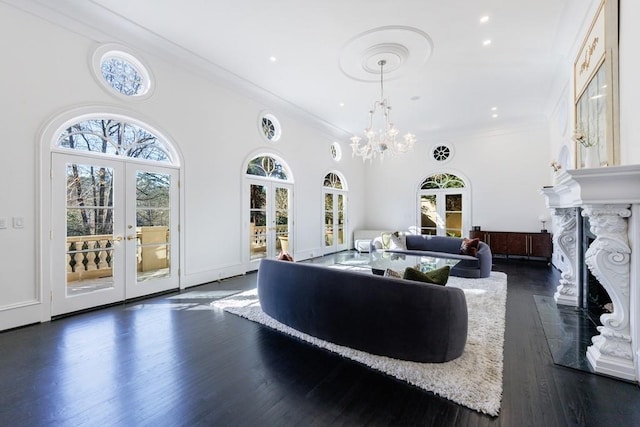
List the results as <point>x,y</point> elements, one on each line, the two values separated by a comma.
<point>269,208</point>
<point>334,213</point>
<point>443,205</point>
<point>114,212</point>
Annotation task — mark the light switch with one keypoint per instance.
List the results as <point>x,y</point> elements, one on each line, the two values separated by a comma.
<point>18,222</point>
<point>3,223</point>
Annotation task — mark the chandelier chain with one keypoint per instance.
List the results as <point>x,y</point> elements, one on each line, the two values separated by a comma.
<point>382,63</point>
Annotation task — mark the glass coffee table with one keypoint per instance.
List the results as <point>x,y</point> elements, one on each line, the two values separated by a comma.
<point>380,261</point>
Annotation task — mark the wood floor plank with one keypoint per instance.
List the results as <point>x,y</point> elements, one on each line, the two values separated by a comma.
<point>182,362</point>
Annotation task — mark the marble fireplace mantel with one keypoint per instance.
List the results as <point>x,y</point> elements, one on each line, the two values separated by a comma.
<point>610,198</point>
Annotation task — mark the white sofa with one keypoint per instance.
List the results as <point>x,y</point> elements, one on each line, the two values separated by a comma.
<point>362,239</point>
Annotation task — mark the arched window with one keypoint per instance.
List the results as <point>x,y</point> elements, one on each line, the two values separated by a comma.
<point>332,180</point>
<point>268,167</point>
<point>442,205</point>
<point>114,137</point>
<point>442,180</point>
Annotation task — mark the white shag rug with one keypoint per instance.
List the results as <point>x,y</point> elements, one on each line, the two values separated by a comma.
<point>473,380</point>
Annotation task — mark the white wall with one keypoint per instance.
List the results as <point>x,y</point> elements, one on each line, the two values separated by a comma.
<point>214,128</point>
<point>37,83</point>
<point>504,168</point>
<point>562,95</point>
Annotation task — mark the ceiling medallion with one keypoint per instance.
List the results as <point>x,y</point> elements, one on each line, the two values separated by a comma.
<point>404,48</point>
<point>392,50</point>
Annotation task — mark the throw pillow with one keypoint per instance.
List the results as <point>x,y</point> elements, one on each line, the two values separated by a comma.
<point>398,241</point>
<point>439,276</point>
<point>285,256</point>
<point>386,240</point>
<point>469,246</point>
<point>392,273</point>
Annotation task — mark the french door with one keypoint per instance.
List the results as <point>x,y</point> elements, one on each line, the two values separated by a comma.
<point>441,212</point>
<point>114,231</point>
<point>270,220</point>
<point>334,231</point>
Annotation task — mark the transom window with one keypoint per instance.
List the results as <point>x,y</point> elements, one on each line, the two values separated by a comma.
<point>113,137</point>
<point>268,167</point>
<point>332,180</point>
<point>442,180</point>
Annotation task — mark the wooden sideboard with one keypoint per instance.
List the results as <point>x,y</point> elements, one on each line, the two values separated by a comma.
<point>509,243</point>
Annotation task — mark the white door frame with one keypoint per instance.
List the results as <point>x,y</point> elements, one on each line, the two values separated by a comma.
<point>136,288</point>
<point>335,247</point>
<point>124,241</point>
<point>441,208</point>
<point>271,185</point>
<point>61,301</point>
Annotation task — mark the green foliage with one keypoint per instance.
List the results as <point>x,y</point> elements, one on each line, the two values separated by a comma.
<point>442,180</point>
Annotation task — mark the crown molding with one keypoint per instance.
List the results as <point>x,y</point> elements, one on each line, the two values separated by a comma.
<point>89,19</point>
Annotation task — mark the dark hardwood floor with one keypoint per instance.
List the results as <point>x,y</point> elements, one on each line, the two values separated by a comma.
<point>175,362</point>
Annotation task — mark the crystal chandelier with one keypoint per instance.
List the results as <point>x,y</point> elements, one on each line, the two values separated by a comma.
<point>384,140</point>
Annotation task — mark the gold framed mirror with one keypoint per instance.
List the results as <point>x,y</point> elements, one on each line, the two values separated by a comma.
<point>595,77</point>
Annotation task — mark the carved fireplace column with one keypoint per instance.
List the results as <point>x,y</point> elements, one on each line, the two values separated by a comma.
<point>565,239</point>
<point>608,258</point>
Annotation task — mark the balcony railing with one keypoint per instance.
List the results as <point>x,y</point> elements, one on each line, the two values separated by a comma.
<point>91,257</point>
<point>258,240</point>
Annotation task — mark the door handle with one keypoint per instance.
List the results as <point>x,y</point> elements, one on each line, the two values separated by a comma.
<point>117,239</point>
<point>131,237</point>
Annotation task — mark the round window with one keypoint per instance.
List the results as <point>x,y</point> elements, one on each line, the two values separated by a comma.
<point>121,72</point>
<point>270,127</point>
<point>123,76</point>
<point>442,152</point>
<point>336,151</point>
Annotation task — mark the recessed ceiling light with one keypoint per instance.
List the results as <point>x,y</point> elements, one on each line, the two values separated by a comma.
<point>486,42</point>
<point>342,104</point>
<point>494,115</point>
<point>484,19</point>
<point>273,59</point>
<point>494,108</point>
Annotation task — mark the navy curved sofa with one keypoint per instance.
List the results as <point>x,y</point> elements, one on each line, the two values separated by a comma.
<point>472,267</point>
<point>390,317</point>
